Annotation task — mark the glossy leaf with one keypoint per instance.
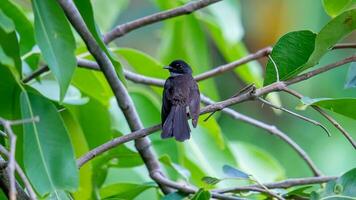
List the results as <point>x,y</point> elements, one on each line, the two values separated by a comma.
<point>290,52</point>
<point>257,162</point>
<point>86,11</point>
<point>124,190</point>
<point>48,154</point>
<point>330,34</point>
<point>343,106</point>
<point>335,7</point>
<point>202,195</point>
<point>351,76</point>
<point>55,39</point>
<point>342,188</point>
<point>232,172</point>
<point>22,24</point>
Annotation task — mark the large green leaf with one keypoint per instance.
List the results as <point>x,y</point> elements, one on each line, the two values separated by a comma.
<point>23,25</point>
<point>335,7</point>
<point>9,45</point>
<point>86,11</point>
<point>330,34</point>
<point>48,154</point>
<point>342,188</point>
<point>289,54</point>
<point>343,106</point>
<point>56,41</point>
<point>257,162</point>
<point>124,190</point>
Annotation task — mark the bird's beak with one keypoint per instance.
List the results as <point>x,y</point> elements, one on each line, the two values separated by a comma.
<point>167,67</point>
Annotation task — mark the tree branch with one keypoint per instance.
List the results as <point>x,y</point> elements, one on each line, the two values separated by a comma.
<point>122,97</point>
<point>157,17</point>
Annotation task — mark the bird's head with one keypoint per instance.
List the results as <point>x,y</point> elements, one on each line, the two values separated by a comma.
<point>178,67</point>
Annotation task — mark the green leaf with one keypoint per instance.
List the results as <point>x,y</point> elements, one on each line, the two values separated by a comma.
<point>351,76</point>
<point>210,180</point>
<point>335,7</point>
<point>125,190</point>
<point>10,91</point>
<point>202,195</point>
<point>257,162</point>
<point>93,84</point>
<point>330,34</point>
<point>298,192</point>
<point>48,154</point>
<point>9,45</point>
<point>86,11</point>
<point>50,88</point>
<point>22,24</point>
<point>290,52</point>
<point>232,172</point>
<point>343,106</point>
<point>174,196</point>
<point>342,188</point>
<point>55,39</point>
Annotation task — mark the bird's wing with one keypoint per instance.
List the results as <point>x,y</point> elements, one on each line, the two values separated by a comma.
<point>194,104</point>
<point>166,103</point>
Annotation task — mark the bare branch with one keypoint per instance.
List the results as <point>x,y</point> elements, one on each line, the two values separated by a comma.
<point>344,46</point>
<point>21,173</point>
<point>282,184</point>
<point>230,66</point>
<point>326,115</point>
<point>122,96</point>
<point>157,17</point>
<point>295,114</point>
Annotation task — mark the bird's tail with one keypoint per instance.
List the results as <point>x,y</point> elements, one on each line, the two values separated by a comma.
<point>176,124</point>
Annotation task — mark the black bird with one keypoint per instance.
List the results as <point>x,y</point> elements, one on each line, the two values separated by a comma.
<point>180,93</point>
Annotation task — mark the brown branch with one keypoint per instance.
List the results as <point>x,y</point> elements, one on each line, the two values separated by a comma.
<point>281,184</point>
<point>121,94</point>
<point>157,17</point>
<point>326,115</point>
<point>344,46</point>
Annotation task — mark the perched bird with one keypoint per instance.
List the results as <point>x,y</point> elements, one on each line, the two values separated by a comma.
<point>180,93</point>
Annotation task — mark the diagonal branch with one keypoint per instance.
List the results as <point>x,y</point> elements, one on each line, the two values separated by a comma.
<point>122,97</point>
<point>157,17</point>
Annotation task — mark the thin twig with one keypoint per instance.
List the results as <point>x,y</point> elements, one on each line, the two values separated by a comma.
<point>295,114</point>
<point>157,17</point>
<point>326,115</point>
<point>21,173</point>
<point>344,46</point>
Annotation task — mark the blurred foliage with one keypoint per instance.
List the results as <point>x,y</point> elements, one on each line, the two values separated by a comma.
<point>78,111</point>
